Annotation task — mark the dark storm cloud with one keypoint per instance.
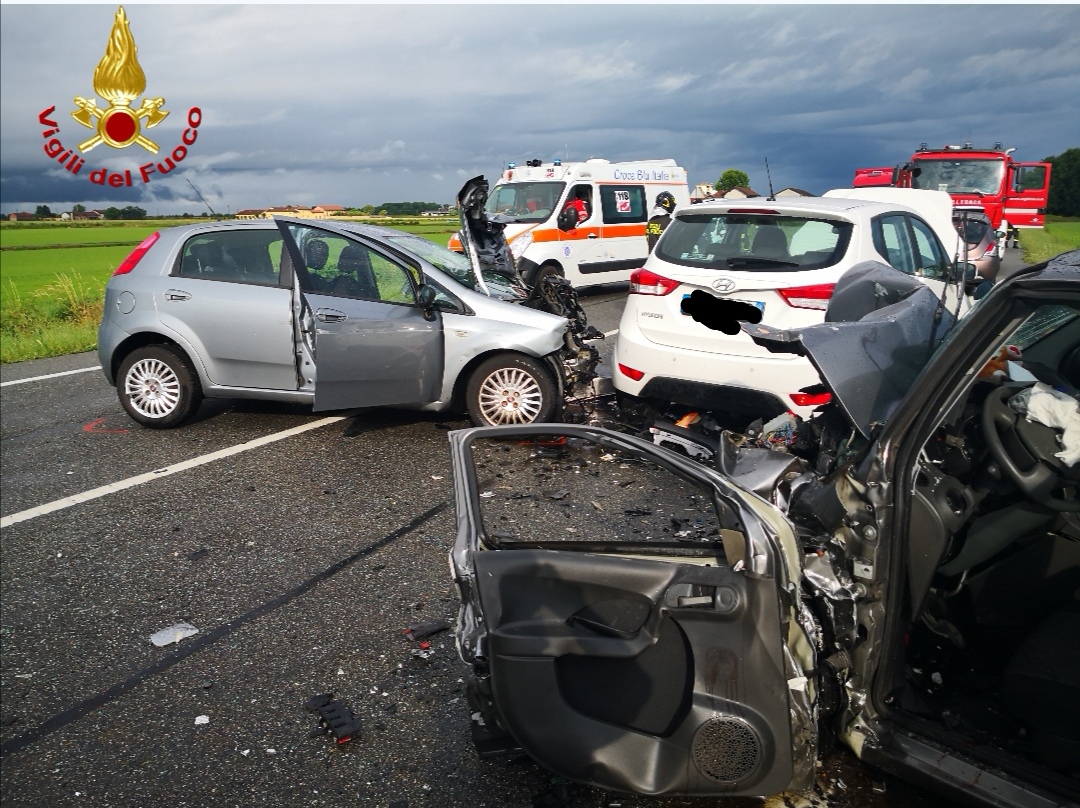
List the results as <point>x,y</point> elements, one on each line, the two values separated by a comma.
<point>364,104</point>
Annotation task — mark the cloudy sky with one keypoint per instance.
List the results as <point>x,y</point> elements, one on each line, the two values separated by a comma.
<point>361,104</point>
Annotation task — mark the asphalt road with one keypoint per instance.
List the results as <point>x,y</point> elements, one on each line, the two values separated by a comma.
<point>300,561</point>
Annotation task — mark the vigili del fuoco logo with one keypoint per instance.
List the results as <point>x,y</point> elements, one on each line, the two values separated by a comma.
<point>119,80</point>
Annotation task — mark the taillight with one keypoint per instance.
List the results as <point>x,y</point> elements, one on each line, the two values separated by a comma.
<point>808,297</point>
<point>633,373</point>
<point>644,282</point>
<point>810,399</point>
<point>136,255</point>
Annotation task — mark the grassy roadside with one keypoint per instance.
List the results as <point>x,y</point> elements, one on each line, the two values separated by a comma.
<point>53,276</point>
<point>1061,234</point>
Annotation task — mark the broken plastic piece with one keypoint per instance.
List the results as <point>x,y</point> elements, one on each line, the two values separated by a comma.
<point>167,636</point>
<point>419,630</point>
<point>337,717</point>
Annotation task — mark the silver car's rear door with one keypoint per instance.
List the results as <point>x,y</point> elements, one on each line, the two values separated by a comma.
<point>373,343</point>
<point>227,297</point>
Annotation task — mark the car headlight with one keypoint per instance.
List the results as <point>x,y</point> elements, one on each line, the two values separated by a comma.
<point>520,244</point>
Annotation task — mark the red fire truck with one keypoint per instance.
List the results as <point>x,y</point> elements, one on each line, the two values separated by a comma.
<point>1013,194</point>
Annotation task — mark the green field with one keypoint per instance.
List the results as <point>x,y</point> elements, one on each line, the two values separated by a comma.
<point>1060,235</point>
<point>53,276</point>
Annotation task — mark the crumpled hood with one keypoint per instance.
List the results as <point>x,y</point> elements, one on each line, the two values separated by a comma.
<point>879,333</point>
<point>482,236</point>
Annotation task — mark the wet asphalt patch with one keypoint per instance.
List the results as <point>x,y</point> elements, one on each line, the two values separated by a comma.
<point>74,713</point>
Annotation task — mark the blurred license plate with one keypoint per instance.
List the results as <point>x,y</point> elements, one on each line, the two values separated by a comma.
<point>760,305</point>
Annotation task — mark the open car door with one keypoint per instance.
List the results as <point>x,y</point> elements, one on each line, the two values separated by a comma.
<point>360,315</point>
<point>632,619</point>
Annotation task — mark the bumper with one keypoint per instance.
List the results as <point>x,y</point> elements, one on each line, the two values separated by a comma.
<point>752,385</point>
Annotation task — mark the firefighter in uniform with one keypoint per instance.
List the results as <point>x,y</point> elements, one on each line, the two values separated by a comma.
<point>661,217</point>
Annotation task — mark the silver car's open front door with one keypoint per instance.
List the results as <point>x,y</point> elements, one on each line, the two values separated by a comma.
<point>628,615</point>
<point>373,343</point>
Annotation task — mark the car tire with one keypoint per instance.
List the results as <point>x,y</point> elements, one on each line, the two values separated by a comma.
<point>158,387</point>
<point>545,270</point>
<point>510,389</point>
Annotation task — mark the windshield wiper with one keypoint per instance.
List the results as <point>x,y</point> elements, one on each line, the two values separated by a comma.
<point>751,261</point>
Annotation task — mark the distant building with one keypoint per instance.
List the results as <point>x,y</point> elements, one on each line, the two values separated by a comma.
<point>250,213</point>
<point>322,211</point>
<point>741,192</point>
<point>792,192</point>
<point>702,192</point>
<point>298,211</point>
<point>88,214</point>
<point>21,217</point>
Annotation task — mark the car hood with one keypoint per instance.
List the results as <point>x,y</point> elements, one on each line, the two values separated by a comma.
<point>482,236</point>
<point>880,330</point>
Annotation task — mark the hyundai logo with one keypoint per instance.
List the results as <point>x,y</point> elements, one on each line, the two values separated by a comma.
<point>724,285</point>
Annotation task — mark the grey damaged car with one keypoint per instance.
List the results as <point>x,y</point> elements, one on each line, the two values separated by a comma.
<point>335,315</point>
<point>901,577</point>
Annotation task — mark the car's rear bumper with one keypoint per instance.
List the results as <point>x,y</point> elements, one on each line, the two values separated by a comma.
<point>754,385</point>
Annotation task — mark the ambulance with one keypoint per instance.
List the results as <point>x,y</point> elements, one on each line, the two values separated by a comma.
<point>600,243</point>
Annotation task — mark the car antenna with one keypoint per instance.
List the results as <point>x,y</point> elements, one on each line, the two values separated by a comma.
<point>772,196</point>
<point>203,198</point>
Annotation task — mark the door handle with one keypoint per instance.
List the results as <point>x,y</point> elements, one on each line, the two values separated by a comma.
<point>331,316</point>
<point>177,294</point>
<point>592,235</point>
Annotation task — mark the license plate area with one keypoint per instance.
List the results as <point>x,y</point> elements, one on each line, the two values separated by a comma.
<point>758,303</point>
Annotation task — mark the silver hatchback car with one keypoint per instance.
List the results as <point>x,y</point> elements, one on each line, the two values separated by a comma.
<point>336,315</point>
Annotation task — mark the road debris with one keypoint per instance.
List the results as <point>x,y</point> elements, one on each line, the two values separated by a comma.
<point>336,717</point>
<point>174,633</point>
<point>418,631</point>
<point>202,719</point>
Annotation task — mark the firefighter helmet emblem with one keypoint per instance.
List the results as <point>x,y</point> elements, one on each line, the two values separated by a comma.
<point>119,79</point>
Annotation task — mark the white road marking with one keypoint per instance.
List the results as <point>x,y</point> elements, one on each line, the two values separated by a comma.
<point>48,376</point>
<point>607,334</point>
<point>156,474</point>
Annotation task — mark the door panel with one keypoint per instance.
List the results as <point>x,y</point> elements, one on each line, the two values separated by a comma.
<point>373,344</point>
<point>369,353</point>
<point>621,605</point>
<point>224,298</point>
<point>695,701</point>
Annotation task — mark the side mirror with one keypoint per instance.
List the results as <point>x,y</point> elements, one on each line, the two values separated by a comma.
<point>426,299</point>
<point>567,220</point>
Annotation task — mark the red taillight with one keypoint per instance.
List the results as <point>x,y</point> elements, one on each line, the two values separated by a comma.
<point>136,255</point>
<point>644,282</point>
<point>810,399</point>
<point>808,297</point>
<point>631,372</point>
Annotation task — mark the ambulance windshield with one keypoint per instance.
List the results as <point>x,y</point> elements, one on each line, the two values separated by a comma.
<point>525,201</point>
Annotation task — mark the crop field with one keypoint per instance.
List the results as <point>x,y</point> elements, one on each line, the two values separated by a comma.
<point>53,276</point>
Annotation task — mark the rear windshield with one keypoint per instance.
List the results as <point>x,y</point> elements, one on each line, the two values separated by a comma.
<point>752,242</point>
<point>972,228</point>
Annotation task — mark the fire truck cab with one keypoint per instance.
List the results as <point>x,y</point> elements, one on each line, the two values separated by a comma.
<point>1011,193</point>
<point>605,240</point>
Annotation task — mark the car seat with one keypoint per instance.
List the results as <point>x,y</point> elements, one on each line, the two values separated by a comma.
<point>355,275</point>
<point>315,253</point>
<point>770,242</point>
<point>1041,687</point>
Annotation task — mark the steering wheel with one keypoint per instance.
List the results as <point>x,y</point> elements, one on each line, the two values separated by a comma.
<point>1025,451</point>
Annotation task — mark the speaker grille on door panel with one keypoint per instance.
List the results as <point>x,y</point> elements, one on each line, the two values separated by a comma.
<point>726,749</point>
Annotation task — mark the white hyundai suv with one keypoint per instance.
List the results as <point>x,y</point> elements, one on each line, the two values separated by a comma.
<point>781,256</point>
